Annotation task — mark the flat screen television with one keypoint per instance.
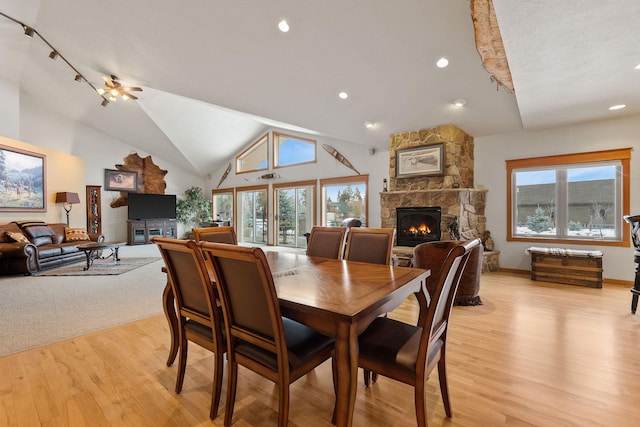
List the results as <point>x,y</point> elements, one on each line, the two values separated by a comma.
<point>151,206</point>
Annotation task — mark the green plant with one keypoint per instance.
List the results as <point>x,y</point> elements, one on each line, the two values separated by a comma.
<point>193,208</point>
<point>540,221</point>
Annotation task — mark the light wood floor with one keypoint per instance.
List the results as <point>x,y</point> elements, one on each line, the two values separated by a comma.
<point>535,354</point>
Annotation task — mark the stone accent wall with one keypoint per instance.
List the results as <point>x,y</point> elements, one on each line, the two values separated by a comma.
<point>467,204</point>
<point>458,158</point>
<point>453,191</point>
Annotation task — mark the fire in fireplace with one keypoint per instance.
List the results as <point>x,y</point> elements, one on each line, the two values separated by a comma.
<point>417,225</point>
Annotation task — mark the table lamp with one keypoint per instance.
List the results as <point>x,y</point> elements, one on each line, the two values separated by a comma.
<point>68,199</point>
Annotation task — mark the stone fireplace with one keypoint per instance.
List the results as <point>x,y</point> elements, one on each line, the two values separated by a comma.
<point>453,191</point>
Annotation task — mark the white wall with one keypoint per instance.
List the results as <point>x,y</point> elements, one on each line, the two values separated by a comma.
<point>9,119</point>
<point>490,171</point>
<point>47,130</point>
<point>375,165</point>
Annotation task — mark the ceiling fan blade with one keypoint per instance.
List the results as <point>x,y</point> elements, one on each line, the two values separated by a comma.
<point>130,96</point>
<point>132,88</point>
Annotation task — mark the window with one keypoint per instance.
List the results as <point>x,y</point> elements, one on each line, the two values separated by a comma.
<point>253,158</point>
<point>252,214</point>
<point>291,150</point>
<point>295,208</point>
<point>223,205</point>
<point>574,198</point>
<point>344,198</point>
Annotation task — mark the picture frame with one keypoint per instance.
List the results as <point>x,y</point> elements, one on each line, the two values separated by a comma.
<point>23,183</point>
<point>427,160</point>
<point>120,180</point>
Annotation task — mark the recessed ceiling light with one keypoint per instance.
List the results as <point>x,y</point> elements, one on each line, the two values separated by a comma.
<point>343,95</point>
<point>637,67</point>
<point>458,103</point>
<point>283,26</point>
<point>617,107</point>
<point>442,62</point>
<point>369,125</point>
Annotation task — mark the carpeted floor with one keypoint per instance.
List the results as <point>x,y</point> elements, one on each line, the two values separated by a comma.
<point>39,310</point>
<point>100,267</point>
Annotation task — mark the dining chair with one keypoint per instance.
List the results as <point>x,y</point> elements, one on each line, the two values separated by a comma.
<point>430,255</point>
<point>368,244</point>
<point>199,315</point>
<point>326,242</point>
<point>215,234</point>
<point>258,337</point>
<point>409,353</point>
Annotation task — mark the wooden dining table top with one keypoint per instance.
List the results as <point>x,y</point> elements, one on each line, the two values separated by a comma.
<point>338,289</point>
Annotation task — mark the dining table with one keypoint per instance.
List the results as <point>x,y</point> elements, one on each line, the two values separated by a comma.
<point>337,298</point>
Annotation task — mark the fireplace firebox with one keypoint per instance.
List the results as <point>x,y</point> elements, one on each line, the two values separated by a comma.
<point>417,225</point>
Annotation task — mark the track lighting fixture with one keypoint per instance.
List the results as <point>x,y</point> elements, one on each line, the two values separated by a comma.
<point>30,31</point>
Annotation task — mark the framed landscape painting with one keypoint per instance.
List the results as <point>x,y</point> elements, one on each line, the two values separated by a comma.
<point>22,180</point>
<point>117,180</point>
<point>426,160</point>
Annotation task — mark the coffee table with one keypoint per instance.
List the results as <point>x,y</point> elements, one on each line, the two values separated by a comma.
<point>91,250</point>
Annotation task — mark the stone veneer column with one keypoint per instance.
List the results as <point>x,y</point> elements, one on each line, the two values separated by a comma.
<point>458,158</point>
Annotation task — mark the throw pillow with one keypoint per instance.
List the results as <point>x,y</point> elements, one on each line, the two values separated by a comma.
<point>18,237</point>
<point>75,234</point>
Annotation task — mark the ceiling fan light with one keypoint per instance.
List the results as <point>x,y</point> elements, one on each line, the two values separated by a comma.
<point>113,98</point>
<point>125,97</point>
<point>114,92</point>
<point>100,91</point>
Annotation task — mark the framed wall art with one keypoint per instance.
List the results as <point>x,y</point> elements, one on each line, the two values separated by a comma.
<point>22,180</point>
<point>421,161</point>
<point>117,180</point>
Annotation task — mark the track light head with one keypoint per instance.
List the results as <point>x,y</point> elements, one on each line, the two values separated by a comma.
<point>53,55</point>
<point>78,78</point>
<point>104,103</point>
<point>28,31</point>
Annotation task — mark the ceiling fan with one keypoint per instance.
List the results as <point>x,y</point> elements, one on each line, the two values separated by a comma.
<point>114,88</point>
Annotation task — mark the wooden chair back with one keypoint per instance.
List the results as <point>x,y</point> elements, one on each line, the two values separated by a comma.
<point>255,328</point>
<point>215,234</point>
<point>326,242</point>
<point>368,244</point>
<point>199,318</point>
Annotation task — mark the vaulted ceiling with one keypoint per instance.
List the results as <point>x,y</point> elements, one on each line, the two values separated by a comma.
<point>217,73</point>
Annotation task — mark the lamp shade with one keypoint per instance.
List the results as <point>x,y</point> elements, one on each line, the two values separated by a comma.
<point>70,198</point>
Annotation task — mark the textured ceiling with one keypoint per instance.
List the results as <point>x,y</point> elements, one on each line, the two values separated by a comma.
<point>218,73</point>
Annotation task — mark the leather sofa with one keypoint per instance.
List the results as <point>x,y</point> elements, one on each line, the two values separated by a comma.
<point>45,246</point>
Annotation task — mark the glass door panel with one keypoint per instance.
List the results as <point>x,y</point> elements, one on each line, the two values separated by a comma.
<point>294,215</point>
<point>252,212</point>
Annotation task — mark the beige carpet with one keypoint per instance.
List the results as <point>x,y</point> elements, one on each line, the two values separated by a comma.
<point>39,310</point>
<point>100,267</point>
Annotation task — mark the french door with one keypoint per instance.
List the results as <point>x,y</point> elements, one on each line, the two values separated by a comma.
<point>295,208</point>
<point>252,215</point>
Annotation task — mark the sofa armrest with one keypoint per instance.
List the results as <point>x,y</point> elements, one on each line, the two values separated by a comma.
<point>18,258</point>
<point>17,250</point>
<point>96,237</point>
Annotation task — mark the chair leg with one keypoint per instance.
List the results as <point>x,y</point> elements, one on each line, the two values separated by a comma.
<point>232,380</point>
<point>334,371</point>
<point>182,365</point>
<point>444,388</point>
<point>420,403</point>
<point>217,385</point>
<point>283,410</point>
<point>374,377</point>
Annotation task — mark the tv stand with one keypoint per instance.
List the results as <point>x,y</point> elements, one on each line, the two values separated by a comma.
<point>141,231</point>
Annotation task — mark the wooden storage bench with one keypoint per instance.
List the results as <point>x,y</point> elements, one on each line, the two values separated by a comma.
<point>567,266</point>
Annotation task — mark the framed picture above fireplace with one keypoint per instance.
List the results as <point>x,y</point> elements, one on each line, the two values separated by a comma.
<point>426,160</point>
